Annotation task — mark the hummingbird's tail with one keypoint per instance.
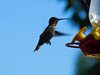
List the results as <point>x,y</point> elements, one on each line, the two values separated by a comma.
<point>37,48</point>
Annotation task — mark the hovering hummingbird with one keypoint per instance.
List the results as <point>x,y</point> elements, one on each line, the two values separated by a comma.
<point>49,32</point>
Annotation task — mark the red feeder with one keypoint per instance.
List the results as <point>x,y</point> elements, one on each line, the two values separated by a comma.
<point>90,46</point>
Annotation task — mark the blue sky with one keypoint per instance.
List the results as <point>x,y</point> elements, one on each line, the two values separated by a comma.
<point>21,23</point>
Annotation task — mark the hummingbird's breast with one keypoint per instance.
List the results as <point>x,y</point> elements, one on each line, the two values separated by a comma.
<point>51,30</point>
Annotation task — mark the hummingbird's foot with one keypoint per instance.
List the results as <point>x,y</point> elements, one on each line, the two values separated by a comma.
<point>48,43</point>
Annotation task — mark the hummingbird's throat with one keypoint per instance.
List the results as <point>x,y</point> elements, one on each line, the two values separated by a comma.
<point>52,27</point>
<point>54,24</point>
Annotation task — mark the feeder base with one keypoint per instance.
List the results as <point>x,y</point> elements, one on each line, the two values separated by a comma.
<point>94,55</point>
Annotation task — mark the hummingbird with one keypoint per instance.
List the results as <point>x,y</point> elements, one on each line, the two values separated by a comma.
<point>49,32</point>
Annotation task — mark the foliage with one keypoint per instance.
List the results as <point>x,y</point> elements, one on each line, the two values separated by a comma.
<point>88,66</point>
<point>78,6</point>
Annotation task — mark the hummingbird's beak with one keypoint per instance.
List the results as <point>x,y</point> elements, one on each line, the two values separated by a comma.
<point>64,18</point>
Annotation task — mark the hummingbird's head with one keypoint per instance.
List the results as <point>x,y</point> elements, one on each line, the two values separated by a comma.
<point>54,20</point>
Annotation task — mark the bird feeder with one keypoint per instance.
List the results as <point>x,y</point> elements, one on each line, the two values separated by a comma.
<point>90,44</point>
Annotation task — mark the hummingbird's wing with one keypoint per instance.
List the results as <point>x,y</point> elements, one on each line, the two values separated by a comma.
<point>57,33</point>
